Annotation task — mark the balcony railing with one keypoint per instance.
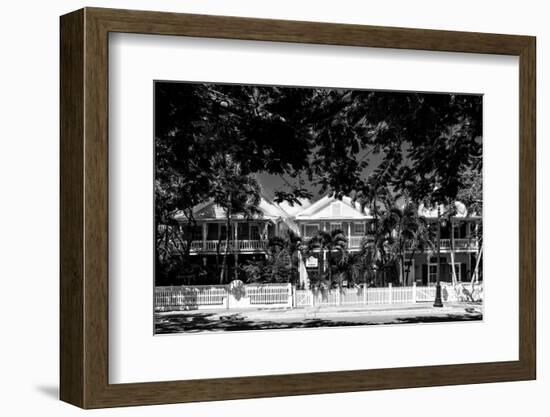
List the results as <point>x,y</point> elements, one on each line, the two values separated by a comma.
<point>459,244</point>
<point>354,242</point>
<point>234,245</point>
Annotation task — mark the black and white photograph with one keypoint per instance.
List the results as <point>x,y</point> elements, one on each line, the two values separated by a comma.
<point>291,207</point>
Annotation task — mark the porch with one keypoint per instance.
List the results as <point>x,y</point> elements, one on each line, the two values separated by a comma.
<point>244,237</point>
<point>215,246</point>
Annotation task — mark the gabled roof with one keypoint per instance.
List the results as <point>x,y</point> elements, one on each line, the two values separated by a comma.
<point>296,208</point>
<point>431,212</point>
<point>331,208</point>
<point>211,211</point>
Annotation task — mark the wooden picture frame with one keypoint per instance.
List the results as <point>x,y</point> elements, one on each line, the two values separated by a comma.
<point>84,208</point>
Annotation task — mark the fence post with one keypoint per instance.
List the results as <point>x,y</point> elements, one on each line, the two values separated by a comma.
<point>227,293</point>
<point>414,293</point>
<point>391,294</point>
<point>365,294</point>
<point>290,297</point>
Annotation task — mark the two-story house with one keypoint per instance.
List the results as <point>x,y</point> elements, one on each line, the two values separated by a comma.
<point>329,214</point>
<point>458,237</point>
<point>457,241</point>
<point>248,237</point>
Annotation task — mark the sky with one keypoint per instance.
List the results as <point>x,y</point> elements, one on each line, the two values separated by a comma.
<point>271,183</point>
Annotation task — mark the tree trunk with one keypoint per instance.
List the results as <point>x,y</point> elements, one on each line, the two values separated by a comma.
<point>409,266</point>
<point>402,269</point>
<point>320,266</point>
<point>438,276</point>
<point>226,251</point>
<point>329,269</point>
<point>476,269</point>
<point>275,262</point>
<point>452,240</point>
<point>218,245</point>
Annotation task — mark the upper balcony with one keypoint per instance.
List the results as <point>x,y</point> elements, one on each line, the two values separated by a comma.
<point>460,245</point>
<point>354,244</point>
<point>235,246</point>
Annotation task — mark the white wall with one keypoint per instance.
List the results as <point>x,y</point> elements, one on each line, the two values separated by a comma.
<point>29,208</point>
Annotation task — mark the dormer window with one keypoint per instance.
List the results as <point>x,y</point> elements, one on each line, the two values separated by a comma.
<point>336,210</point>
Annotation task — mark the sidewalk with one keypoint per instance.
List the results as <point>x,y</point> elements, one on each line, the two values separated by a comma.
<point>279,313</point>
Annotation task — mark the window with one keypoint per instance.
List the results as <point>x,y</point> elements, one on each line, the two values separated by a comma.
<point>445,230</point>
<point>196,233</point>
<point>242,231</point>
<point>335,226</point>
<point>212,232</point>
<point>432,273</point>
<point>359,228</point>
<point>223,229</point>
<point>460,230</point>
<point>254,232</point>
<point>458,271</point>
<point>311,230</point>
<point>336,210</point>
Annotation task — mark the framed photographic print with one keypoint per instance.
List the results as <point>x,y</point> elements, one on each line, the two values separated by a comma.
<point>254,208</point>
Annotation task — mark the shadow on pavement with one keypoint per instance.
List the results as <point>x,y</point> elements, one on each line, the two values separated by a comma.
<point>201,322</point>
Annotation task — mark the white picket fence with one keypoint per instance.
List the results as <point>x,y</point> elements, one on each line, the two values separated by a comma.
<point>198,297</point>
<point>268,293</point>
<point>282,295</point>
<point>362,296</point>
<point>189,297</point>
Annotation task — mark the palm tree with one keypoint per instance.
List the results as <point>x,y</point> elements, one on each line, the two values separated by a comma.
<point>411,233</point>
<point>366,263</point>
<point>397,229</point>
<point>277,267</point>
<point>471,195</point>
<point>329,243</point>
<point>295,248</point>
<point>236,194</point>
<point>381,250</point>
<point>421,241</point>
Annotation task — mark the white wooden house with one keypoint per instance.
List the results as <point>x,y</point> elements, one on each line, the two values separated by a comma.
<point>329,214</point>
<point>248,238</point>
<point>458,233</point>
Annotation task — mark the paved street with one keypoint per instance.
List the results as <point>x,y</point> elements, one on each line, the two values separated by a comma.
<point>262,319</point>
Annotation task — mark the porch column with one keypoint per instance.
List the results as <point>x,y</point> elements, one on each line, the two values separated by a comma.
<point>428,263</point>
<point>476,236</point>
<point>302,271</point>
<point>236,248</point>
<point>349,234</point>
<point>204,233</point>
<point>454,278</point>
<point>469,273</point>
